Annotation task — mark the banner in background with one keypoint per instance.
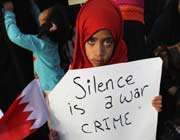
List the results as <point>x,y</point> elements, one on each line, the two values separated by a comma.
<point>74,2</point>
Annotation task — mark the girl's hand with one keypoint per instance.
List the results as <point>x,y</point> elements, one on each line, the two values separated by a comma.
<point>8,6</point>
<point>53,135</point>
<point>157,103</point>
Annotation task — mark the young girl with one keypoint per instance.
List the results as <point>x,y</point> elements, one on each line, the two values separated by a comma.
<point>99,36</point>
<point>44,46</point>
<point>98,40</point>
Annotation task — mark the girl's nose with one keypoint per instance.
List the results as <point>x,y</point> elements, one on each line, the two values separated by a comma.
<point>99,51</point>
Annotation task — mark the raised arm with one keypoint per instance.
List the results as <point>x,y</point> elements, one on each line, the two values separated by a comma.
<point>30,42</point>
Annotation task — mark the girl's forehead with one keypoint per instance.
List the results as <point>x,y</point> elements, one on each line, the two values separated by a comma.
<point>102,34</point>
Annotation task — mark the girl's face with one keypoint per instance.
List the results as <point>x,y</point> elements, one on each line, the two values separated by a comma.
<point>99,48</point>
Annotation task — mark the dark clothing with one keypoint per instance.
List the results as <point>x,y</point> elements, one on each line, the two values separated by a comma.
<point>166,29</point>
<point>166,32</point>
<point>44,4</point>
<point>152,10</point>
<point>13,77</point>
<point>134,38</point>
<point>40,134</point>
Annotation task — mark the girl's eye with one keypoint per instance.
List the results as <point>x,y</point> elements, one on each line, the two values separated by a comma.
<point>108,42</point>
<point>91,41</point>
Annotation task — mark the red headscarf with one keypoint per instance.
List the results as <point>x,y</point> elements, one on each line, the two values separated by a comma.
<point>94,16</point>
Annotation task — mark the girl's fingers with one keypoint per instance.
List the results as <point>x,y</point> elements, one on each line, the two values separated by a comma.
<point>157,103</point>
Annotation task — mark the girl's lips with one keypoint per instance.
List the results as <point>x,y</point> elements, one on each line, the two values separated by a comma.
<point>99,62</point>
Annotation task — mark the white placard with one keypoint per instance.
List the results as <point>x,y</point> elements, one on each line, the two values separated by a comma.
<point>112,102</point>
<point>74,2</point>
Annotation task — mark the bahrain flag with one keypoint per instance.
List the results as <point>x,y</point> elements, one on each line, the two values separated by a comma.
<point>26,114</point>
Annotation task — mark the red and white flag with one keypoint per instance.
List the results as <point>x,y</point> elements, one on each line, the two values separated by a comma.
<point>26,114</point>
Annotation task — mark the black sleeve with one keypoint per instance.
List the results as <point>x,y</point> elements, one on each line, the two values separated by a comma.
<point>161,32</point>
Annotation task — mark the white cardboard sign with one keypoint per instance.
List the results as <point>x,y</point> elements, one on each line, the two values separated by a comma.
<point>108,103</point>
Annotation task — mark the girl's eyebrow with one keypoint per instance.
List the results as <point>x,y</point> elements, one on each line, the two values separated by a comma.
<point>92,37</point>
<point>108,37</point>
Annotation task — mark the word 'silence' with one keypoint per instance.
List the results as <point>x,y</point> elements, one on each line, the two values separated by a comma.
<point>93,86</point>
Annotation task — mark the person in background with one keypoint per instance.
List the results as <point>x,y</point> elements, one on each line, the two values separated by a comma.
<point>164,40</point>
<point>45,46</point>
<point>15,62</point>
